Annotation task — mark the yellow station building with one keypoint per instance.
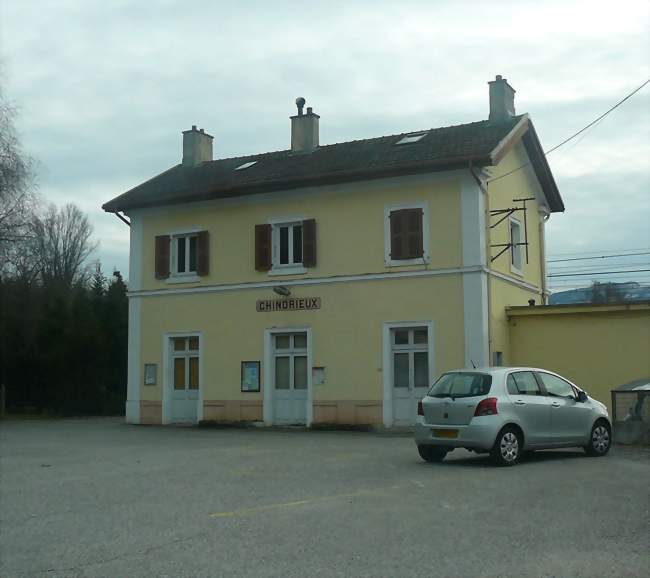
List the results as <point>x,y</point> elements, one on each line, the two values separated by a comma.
<point>331,284</point>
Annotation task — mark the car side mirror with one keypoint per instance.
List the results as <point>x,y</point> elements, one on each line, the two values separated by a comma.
<point>582,396</point>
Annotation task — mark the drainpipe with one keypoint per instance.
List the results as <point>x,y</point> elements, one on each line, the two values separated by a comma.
<point>488,263</point>
<point>122,218</point>
<point>542,251</point>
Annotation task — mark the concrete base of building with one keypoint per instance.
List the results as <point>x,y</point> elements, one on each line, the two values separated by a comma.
<point>232,411</point>
<point>150,412</point>
<point>326,414</point>
<point>350,413</point>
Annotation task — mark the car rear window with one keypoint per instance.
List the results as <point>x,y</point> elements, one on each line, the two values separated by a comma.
<point>461,384</point>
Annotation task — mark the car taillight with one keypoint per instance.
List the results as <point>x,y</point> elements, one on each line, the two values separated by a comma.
<point>488,406</point>
<point>420,408</point>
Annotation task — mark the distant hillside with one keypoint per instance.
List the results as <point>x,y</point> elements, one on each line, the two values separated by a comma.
<point>602,293</point>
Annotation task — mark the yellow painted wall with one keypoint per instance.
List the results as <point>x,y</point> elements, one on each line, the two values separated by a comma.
<point>504,294</point>
<point>520,184</point>
<point>596,347</point>
<point>350,229</point>
<point>346,331</point>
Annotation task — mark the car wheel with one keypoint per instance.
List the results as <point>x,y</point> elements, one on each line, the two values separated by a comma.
<point>508,447</point>
<point>600,439</point>
<point>432,454</point>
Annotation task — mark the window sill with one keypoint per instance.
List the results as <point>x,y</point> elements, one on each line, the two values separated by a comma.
<point>516,271</point>
<point>174,279</point>
<point>292,270</point>
<point>405,262</point>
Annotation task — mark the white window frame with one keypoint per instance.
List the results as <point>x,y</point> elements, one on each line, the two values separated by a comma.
<point>387,360</point>
<point>411,349</point>
<point>186,354</point>
<point>187,276</point>
<point>516,250</point>
<point>290,268</point>
<point>269,367</point>
<point>167,373</point>
<point>388,209</point>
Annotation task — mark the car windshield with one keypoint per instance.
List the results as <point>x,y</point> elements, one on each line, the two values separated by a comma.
<point>461,384</point>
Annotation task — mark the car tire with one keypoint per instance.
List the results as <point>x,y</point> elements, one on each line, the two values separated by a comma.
<point>508,447</point>
<point>600,440</point>
<point>432,454</point>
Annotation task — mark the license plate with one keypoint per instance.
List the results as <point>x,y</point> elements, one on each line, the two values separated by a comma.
<point>445,433</point>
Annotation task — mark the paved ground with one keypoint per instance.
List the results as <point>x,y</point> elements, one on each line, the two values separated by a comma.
<point>96,497</point>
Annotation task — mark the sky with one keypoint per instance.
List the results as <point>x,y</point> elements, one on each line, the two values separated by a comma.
<point>104,89</point>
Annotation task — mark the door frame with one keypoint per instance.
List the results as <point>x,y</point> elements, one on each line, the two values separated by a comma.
<point>267,407</point>
<point>387,361</point>
<point>167,391</point>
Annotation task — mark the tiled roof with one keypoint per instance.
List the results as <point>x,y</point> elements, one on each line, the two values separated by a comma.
<point>442,148</point>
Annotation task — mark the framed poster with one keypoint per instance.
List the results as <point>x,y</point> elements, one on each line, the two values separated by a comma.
<point>250,375</point>
<point>150,370</point>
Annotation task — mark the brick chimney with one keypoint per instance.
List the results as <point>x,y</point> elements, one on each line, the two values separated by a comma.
<point>304,129</point>
<point>197,147</point>
<point>502,100</point>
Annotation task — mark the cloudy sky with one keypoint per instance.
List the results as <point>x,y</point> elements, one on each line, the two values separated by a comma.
<point>105,88</point>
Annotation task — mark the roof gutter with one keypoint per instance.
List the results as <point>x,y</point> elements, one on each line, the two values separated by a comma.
<point>296,182</point>
<point>121,217</point>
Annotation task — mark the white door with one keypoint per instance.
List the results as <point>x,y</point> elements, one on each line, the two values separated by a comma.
<point>410,372</point>
<point>184,379</point>
<point>290,378</point>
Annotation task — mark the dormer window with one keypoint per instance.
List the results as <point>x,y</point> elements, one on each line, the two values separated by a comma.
<point>245,165</point>
<point>411,138</point>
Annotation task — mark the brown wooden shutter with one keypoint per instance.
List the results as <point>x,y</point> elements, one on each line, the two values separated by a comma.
<point>263,260</point>
<point>203,253</point>
<point>161,258</point>
<point>406,239</point>
<point>309,243</point>
<point>397,248</point>
<point>414,228</point>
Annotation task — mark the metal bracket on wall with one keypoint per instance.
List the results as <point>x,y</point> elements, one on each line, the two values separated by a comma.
<point>503,214</point>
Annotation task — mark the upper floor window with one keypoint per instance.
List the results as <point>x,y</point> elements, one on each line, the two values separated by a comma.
<point>287,244</point>
<point>516,254</point>
<point>406,232</point>
<point>182,256</point>
<point>285,247</point>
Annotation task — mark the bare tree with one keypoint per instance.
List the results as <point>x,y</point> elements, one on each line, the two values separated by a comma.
<point>17,189</point>
<point>62,245</point>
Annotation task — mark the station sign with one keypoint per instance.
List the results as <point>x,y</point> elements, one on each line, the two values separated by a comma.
<point>288,304</point>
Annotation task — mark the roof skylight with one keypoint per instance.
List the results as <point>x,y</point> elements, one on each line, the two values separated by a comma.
<point>413,137</point>
<point>245,166</point>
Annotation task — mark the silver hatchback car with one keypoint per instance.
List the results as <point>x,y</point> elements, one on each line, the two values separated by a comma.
<point>505,411</point>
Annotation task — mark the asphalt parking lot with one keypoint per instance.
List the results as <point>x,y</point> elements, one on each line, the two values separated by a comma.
<point>96,497</point>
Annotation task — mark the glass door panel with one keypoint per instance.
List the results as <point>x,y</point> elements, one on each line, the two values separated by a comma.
<point>421,368</point>
<point>300,372</point>
<point>179,373</point>
<point>401,365</point>
<point>282,373</point>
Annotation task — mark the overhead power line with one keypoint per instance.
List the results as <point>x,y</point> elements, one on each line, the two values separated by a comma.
<point>598,251</point>
<point>596,273</point>
<point>583,129</point>
<point>598,257</point>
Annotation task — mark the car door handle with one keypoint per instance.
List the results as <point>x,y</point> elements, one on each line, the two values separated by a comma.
<point>555,404</point>
<point>519,402</point>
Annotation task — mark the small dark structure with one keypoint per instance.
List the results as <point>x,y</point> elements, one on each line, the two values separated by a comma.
<point>631,412</point>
